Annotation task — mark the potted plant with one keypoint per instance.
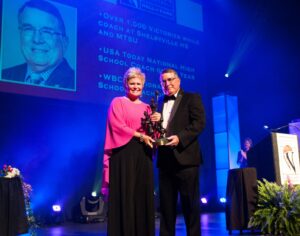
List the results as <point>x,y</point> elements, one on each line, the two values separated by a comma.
<point>278,209</point>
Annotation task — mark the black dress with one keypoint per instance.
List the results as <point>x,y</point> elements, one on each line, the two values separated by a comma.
<point>131,191</point>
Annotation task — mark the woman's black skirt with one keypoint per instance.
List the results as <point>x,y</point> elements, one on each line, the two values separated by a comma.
<point>131,191</point>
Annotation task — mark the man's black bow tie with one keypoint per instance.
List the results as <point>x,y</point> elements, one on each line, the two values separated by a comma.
<point>167,98</point>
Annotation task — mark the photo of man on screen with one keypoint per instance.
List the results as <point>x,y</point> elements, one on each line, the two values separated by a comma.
<point>43,43</point>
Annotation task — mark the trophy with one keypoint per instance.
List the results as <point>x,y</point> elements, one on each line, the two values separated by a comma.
<point>154,129</point>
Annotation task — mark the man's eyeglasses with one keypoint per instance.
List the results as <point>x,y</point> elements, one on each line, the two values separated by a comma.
<point>45,33</point>
<point>170,80</point>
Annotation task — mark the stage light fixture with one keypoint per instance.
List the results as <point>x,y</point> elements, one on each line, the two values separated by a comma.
<point>92,209</point>
<point>204,200</point>
<point>56,208</point>
<point>266,127</point>
<point>56,216</point>
<point>226,75</point>
<point>222,200</point>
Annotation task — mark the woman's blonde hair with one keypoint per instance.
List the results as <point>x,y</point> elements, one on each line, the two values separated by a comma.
<point>133,72</point>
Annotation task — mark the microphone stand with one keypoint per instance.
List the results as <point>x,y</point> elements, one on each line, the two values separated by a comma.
<point>283,126</point>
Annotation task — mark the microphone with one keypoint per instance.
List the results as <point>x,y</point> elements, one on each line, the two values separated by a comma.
<point>266,127</point>
<point>156,92</point>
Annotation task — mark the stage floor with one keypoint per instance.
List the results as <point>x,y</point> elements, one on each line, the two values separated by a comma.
<point>213,224</point>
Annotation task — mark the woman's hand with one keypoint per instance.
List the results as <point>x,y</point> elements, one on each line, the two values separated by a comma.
<point>244,154</point>
<point>144,139</point>
<point>148,140</point>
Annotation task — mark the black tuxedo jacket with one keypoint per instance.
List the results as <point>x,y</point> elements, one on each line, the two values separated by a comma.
<point>187,120</point>
<point>62,77</point>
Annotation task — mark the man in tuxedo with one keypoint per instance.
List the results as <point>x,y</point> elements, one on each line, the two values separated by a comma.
<point>183,117</point>
<point>43,44</point>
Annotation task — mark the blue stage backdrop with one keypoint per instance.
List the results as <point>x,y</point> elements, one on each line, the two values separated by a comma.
<point>55,134</point>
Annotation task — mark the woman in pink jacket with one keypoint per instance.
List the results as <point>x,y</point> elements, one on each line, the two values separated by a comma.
<point>127,164</point>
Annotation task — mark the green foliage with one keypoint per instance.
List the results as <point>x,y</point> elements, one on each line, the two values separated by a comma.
<point>278,209</point>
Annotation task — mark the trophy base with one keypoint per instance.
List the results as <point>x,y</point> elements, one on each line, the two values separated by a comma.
<point>161,141</point>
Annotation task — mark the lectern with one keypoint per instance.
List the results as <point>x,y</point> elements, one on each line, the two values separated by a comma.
<point>276,158</point>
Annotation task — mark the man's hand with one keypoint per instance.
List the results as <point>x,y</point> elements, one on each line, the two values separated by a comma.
<point>155,117</point>
<point>173,140</point>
